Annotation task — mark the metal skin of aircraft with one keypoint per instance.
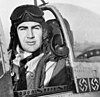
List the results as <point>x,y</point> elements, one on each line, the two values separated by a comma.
<point>86,74</point>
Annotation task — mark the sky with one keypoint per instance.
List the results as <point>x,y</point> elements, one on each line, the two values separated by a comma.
<point>7,6</point>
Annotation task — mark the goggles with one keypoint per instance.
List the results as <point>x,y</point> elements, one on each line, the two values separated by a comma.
<point>27,13</point>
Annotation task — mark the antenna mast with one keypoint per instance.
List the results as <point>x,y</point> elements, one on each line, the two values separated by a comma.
<point>43,2</point>
<point>35,2</point>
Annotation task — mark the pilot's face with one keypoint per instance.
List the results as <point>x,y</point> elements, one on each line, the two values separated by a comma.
<point>30,35</point>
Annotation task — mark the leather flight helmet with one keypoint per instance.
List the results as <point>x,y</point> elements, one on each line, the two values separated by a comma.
<point>27,13</point>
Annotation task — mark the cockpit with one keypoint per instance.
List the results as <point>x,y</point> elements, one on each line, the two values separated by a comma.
<point>79,48</point>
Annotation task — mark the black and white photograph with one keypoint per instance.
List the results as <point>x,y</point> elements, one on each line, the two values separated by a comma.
<point>49,48</point>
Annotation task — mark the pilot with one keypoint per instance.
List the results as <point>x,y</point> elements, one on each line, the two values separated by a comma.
<point>33,63</point>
